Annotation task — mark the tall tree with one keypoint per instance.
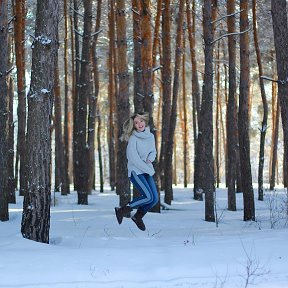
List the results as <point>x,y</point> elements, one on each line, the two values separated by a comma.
<point>191,23</point>
<point>265,105</point>
<point>59,149</point>
<point>36,206</point>
<point>280,28</point>
<point>232,140</point>
<point>65,189</point>
<point>76,81</point>
<point>173,115</point>
<point>93,100</point>
<point>137,65</point>
<point>123,108</point>
<point>204,167</point>
<point>146,53</point>
<point>184,117</point>
<point>275,136</point>
<point>243,123</point>
<point>11,178</point>
<point>4,110</point>
<point>166,86</point>
<point>19,10</point>
<point>112,92</point>
<point>84,90</point>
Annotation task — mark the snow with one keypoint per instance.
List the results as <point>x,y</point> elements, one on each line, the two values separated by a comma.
<point>45,91</point>
<point>179,249</point>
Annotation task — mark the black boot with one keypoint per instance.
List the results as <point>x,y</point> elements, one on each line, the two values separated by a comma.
<point>137,218</point>
<point>121,212</point>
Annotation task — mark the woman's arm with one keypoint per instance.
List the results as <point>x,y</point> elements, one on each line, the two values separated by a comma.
<point>152,155</point>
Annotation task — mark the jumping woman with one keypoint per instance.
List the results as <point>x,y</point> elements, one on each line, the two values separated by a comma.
<point>140,152</point>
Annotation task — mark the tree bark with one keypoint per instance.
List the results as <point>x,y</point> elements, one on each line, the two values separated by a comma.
<point>65,189</point>
<point>167,79</point>
<point>112,92</point>
<point>137,66</point>
<point>19,36</point>
<point>4,111</point>
<point>232,139</point>
<point>275,146</point>
<point>93,102</point>
<point>205,135</point>
<point>279,18</point>
<point>11,179</point>
<point>243,123</point>
<point>195,89</point>
<point>76,73</point>
<point>123,107</point>
<point>99,145</point>
<point>36,207</point>
<point>85,90</point>
<point>265,107</point>
<point>173,116</point>
<point>59,152</point>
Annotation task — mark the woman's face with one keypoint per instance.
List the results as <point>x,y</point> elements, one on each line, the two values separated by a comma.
<point>139,124</point>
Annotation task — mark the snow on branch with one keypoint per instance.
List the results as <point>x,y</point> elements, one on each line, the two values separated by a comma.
<point>226,16</point>
<point>283,82</point>
<point>230,34</point>
<point>11,20</point>
<point>76,11</point>
<point>136,12</point>
<point>157,68</point>
<point>96,33</point>
<point>6,72</point>
<point>43,40</point>
<point>9,71</point>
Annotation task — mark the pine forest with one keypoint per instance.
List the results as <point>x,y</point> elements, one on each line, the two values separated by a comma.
<point>212,74</point>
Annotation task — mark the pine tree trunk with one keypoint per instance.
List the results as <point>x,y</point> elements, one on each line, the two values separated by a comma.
<point>167,79</point>
<point>11,178</point>
<point>137,66</point>
<point>4,111</point>
<point>111,95</point>
<point>243,123</point>
<point>76,73</point>
<point>65,189</point>
<point>279,17</point>
<point>123,108</point>
<point>205,136</point>
<point>85,91</point>
<point>184,119</point>
<point>232,139</point>
<point>217,120</point>
<point>99,144</point>
<point>275,146</point>
<point>59,152</point>
<point>156,38</point>
<point>93,100</point>
<point>19,36</point>
<point>265,107</point>
<point>173,116</point>
<point>36,207</point>
<point>195,91</point>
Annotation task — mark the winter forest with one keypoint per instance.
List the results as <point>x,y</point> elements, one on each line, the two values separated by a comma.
<point>212,74</point>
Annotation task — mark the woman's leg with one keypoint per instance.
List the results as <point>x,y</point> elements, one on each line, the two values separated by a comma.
<point>149,195</point>
<point>151,183</point>
<point>141,184</point>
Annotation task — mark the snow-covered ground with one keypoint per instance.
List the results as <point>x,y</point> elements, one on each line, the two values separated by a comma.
<point>179,249</point>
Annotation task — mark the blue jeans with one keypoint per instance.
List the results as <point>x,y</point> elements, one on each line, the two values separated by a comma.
<point>149,195</point>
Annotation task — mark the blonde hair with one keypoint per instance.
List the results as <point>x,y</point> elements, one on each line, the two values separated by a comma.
<point>128,126</point>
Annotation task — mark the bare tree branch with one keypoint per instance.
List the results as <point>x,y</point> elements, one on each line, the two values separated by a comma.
<point>228,15</point>
<point>230,34</point>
